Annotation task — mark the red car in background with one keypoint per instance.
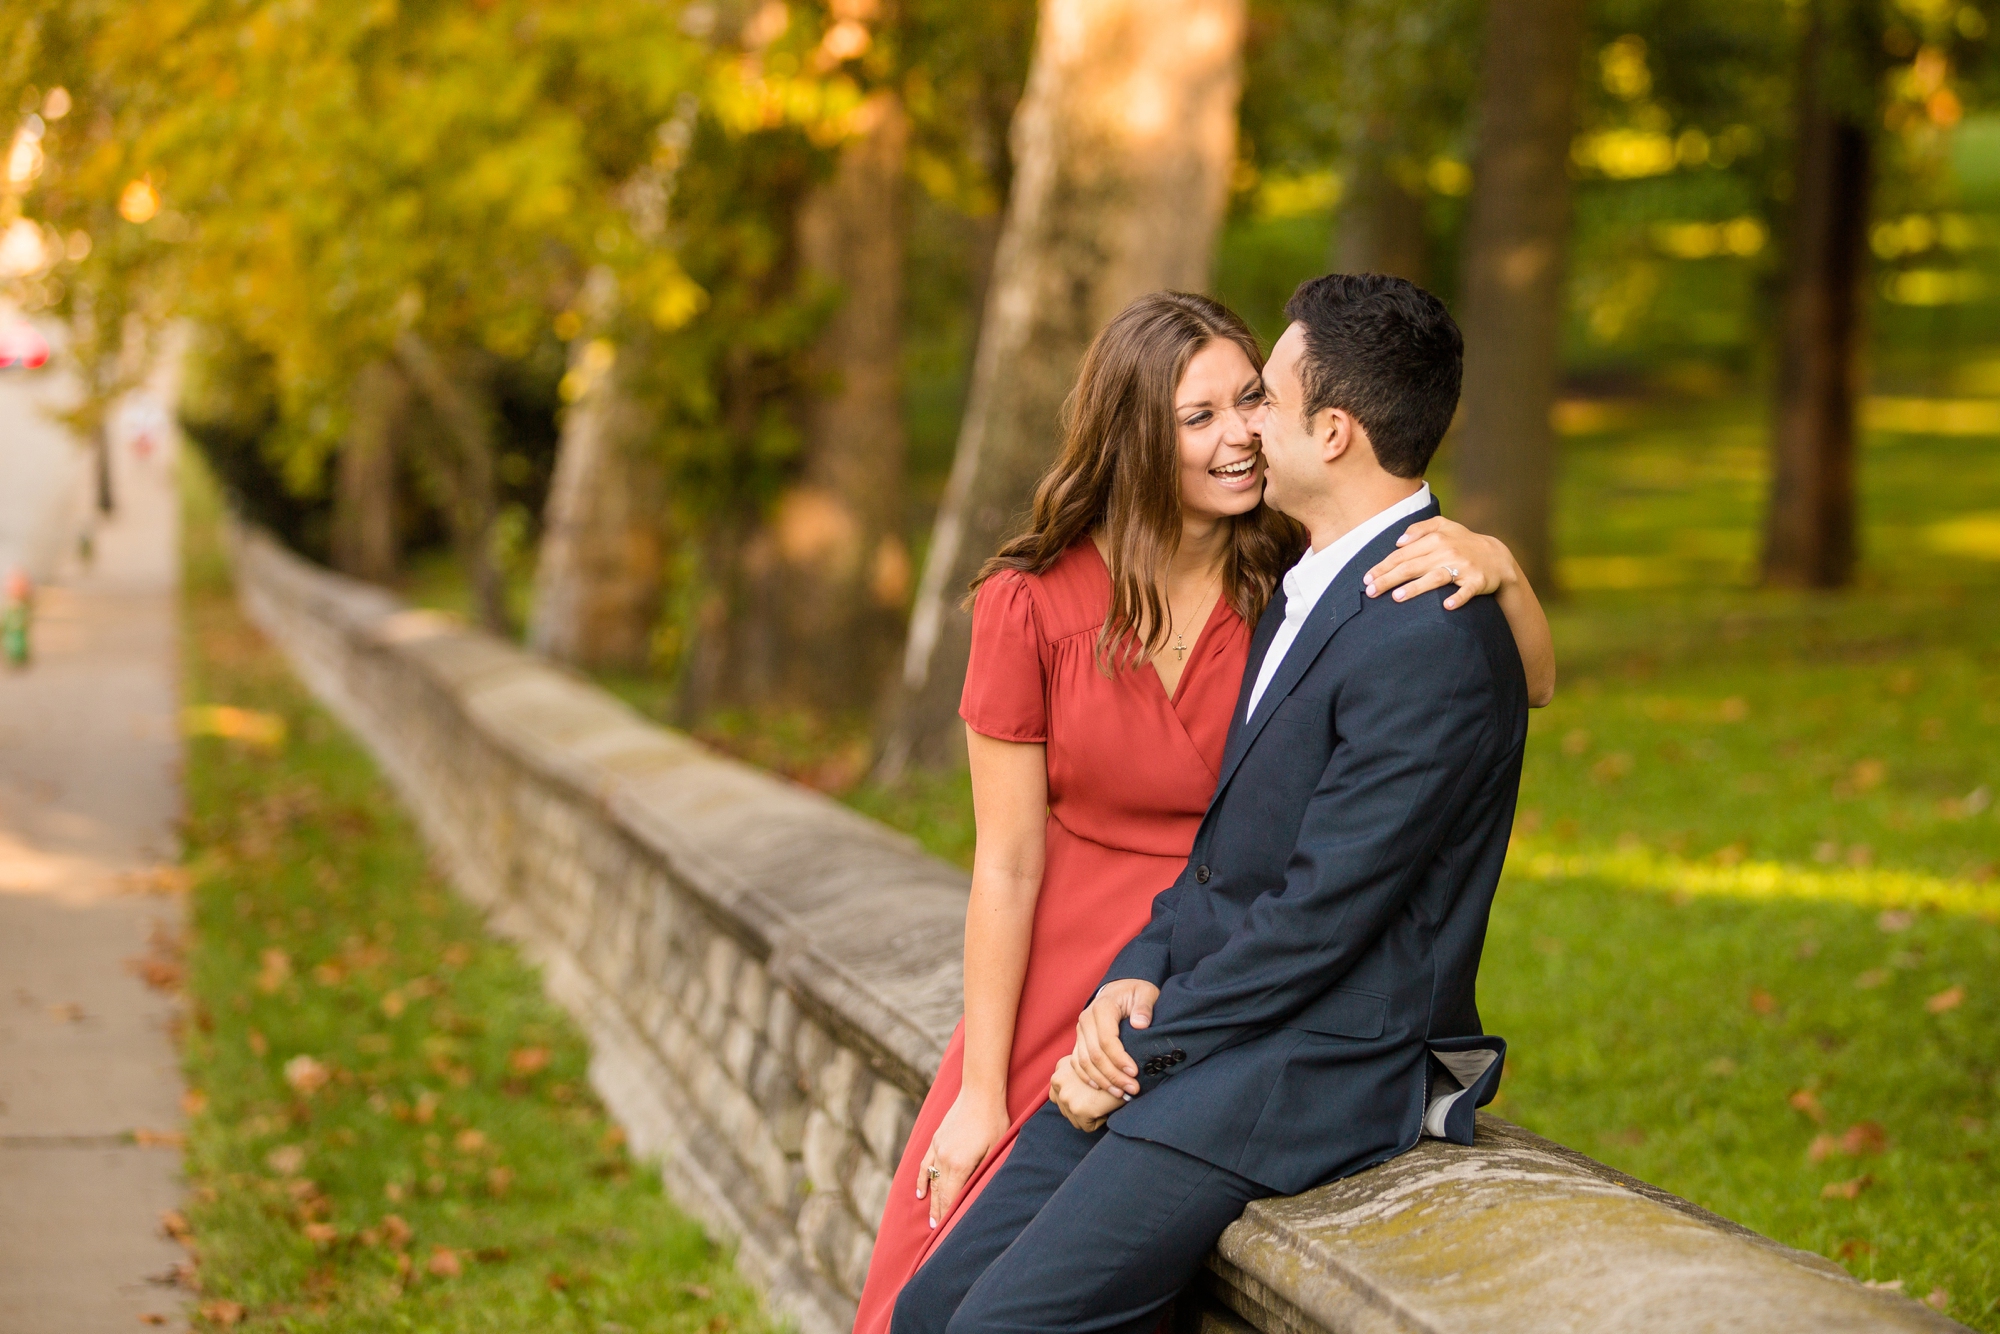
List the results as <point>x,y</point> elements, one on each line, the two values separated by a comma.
<point>22,345</point>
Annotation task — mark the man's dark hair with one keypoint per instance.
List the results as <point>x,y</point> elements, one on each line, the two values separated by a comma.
<point>1386,351</point>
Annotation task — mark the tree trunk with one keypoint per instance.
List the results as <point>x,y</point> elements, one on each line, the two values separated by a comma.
<point>1809,528</point>
<point>1381,226</point>
<point>841,570</point>
<point>365,540</point>
<point>463,470</point>
<point>1123,145</point>
<point>1517,235</point>
<point>603,550</point>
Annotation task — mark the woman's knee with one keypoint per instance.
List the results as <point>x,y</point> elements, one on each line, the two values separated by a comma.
<point>925,1305</point>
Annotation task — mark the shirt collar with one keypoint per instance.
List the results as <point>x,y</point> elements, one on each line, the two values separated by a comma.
<point>1316,570</point>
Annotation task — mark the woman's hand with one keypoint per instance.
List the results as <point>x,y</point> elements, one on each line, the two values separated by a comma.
<point>963,1139</point>
<point>1437,552</point>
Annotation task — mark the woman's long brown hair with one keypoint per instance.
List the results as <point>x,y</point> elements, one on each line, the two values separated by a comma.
<point>1120,468</point>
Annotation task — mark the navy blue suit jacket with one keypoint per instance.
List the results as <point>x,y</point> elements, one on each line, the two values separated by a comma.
<point>1317,956</point>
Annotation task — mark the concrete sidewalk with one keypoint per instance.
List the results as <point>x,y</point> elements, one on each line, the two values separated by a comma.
<point>89,793</point>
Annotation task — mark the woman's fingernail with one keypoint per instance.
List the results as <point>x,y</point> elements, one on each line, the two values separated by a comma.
<point>934,1225</point>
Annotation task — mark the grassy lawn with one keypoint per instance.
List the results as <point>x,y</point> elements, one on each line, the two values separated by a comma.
<point>392,1127</point>
<point>1749,943</point>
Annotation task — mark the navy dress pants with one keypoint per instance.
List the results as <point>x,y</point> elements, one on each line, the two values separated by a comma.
<point>1075,1234</point>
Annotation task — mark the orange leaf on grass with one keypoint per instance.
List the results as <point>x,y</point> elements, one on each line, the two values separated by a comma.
<point>1949,999</point>
<point>444,1263</point>
<point>525,1061</point>
<point>1846,1190</point>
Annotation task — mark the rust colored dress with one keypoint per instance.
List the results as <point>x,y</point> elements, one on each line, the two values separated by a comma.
<point>1130,773</point>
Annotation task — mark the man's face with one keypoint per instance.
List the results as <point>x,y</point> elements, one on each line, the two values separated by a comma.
<point>1295,466</point>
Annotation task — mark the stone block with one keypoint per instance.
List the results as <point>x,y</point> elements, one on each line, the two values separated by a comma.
<point>775,1086</point>
<point>854,1263</point>
<point>869,1189</point>
<point>826,1233</point>
<point>886,1122</point>
<point>739,1049</point>
<point>780,1176</point>
<point>842,1085</point>
<point>812,1049</point>
<point>828,1151</point>
<point>753,993</point>
<point>781,1019</point>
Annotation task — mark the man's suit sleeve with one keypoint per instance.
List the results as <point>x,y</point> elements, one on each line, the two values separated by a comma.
<point>1145,955</point>
<point>1410,720</point>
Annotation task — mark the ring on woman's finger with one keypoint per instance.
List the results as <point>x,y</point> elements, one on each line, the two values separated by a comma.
<point>934,1173</point>
<point>1452,570</point>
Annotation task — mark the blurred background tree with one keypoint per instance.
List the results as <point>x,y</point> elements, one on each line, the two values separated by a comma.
<point>717,343</point>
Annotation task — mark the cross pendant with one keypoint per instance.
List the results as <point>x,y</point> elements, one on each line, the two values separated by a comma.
<point>1180,652</point>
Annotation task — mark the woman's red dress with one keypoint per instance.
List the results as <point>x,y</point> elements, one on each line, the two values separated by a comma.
<point>1130,773</point>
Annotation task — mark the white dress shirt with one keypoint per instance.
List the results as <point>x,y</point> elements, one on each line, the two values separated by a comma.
<point>1307,582</point>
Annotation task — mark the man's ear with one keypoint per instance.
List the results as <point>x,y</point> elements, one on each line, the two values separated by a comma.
<point>1343,435</point>
<point>1336,433</point>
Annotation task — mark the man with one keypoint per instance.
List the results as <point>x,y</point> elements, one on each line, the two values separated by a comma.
<point>1301,1005</point>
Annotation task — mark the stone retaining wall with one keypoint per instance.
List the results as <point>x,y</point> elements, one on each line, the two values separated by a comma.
<point>768,981</point>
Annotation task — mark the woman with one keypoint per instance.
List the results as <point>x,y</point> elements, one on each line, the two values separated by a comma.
<point>1108,647</point>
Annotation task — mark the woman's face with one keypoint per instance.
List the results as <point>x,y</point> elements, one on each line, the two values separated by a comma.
<point>1215,411</point>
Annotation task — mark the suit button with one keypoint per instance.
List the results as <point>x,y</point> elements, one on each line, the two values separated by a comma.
<point>1176,1056</point>
<point>1201,875</point>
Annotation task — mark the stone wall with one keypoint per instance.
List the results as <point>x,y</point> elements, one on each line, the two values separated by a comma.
<point>768,981</point>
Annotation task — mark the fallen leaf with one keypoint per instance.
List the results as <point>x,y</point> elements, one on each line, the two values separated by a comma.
<point>329,974</point>
<point>1883,1284</point>
<point>69,1012</point>
<point>1853,1247</point>
<point>158,1139</point>
<point>157,973</point>
<point>306,1075</point>
<point>1822,1148</point>
<point>612,1138</point>
<point>427,1106</point>
<point>701,1292</point>
<point>1807,1101</point>
<point>193,1102</point>
<point>224,1314</point>
<point>263,731</point>
<point>1867,775</point>
<point>1763,1002</point>
<point>1949,999</point>
<point>1612,767</point>
<point>393,1003</point>
<point>321,1234</point>
<point>1871,979</point>
<point>1575,742</point>
<point>500,1180</point>
<point>457,955</point>
<point>258,1046</point>
<point>152,1318</point>
<point>286,1161</point>
<point>395,1231</point>
<point>1893,920</point>
<point>1864,1138</point>
<point>470,1141</point>
<point>274,967</point>
<point>1734,709</point>
<point>1938,1300</point>
<point>393,1192</point>
<point>444,1263</point>
<point>175,1223</point>
<point>527,1060</point>
<point>1846,1190</point>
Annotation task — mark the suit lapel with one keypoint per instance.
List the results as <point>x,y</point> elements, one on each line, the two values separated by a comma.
<point>1340,602</point>
<point>1260,644</point>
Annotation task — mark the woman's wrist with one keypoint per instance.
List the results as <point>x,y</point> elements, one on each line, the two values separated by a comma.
<point>983,1097</point>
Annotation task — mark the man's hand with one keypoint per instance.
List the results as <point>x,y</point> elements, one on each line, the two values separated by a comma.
<point>1100,1057</point>
<point>1085,1107</point>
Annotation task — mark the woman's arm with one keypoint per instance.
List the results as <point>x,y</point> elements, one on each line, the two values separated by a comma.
<point>1427,552</point>
<point>1010,809</point>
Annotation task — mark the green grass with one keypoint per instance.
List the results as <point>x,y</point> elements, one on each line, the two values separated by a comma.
<point>436,1160</point>
<point>1756,854</point>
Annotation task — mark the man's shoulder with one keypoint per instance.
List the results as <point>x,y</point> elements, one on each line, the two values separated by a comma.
<point>1424,620</point>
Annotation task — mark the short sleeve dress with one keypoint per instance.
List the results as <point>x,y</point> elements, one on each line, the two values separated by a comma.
<point>1131,770</point>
